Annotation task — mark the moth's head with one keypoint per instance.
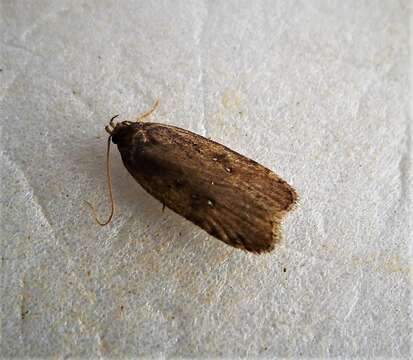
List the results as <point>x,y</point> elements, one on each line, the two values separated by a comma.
<point>123,129</point>
<point>118,130</point>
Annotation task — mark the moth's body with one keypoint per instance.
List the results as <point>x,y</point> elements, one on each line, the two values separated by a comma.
<point>230,196</point>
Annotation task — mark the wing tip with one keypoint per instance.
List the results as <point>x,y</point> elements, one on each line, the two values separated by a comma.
<point>238,241</point>
<point>278,218</point>
<point>294,199</point>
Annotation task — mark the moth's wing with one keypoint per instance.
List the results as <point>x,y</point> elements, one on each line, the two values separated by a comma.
<point>230,196</point>
<point>246,213</point>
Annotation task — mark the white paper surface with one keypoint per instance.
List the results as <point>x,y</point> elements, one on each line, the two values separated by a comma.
<point>315,90</point>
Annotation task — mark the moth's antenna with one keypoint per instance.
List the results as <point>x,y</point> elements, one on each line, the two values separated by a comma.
<point>109,177</point>
<point>147,113</point>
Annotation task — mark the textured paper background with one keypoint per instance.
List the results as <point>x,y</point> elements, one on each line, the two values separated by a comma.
<point>315,90</point>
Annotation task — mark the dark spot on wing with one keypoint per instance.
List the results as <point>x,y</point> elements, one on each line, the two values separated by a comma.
<point>219,157</point>
<point>214,232</point>
<point>196,202</point>
<point>196,147</point>
<point>179,183</point>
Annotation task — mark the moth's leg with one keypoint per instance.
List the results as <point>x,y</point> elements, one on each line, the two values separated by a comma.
<point>147,113</point>
<point>163,207</point>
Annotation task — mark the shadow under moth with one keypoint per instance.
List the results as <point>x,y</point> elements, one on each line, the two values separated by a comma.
<point>231,197</point>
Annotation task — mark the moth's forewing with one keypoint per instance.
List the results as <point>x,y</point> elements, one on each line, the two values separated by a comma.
<point>230,196</point>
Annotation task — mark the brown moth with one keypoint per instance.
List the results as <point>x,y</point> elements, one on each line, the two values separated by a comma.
<point>231,197</point>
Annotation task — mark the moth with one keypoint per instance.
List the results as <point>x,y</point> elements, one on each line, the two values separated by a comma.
<point>230,196</point>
